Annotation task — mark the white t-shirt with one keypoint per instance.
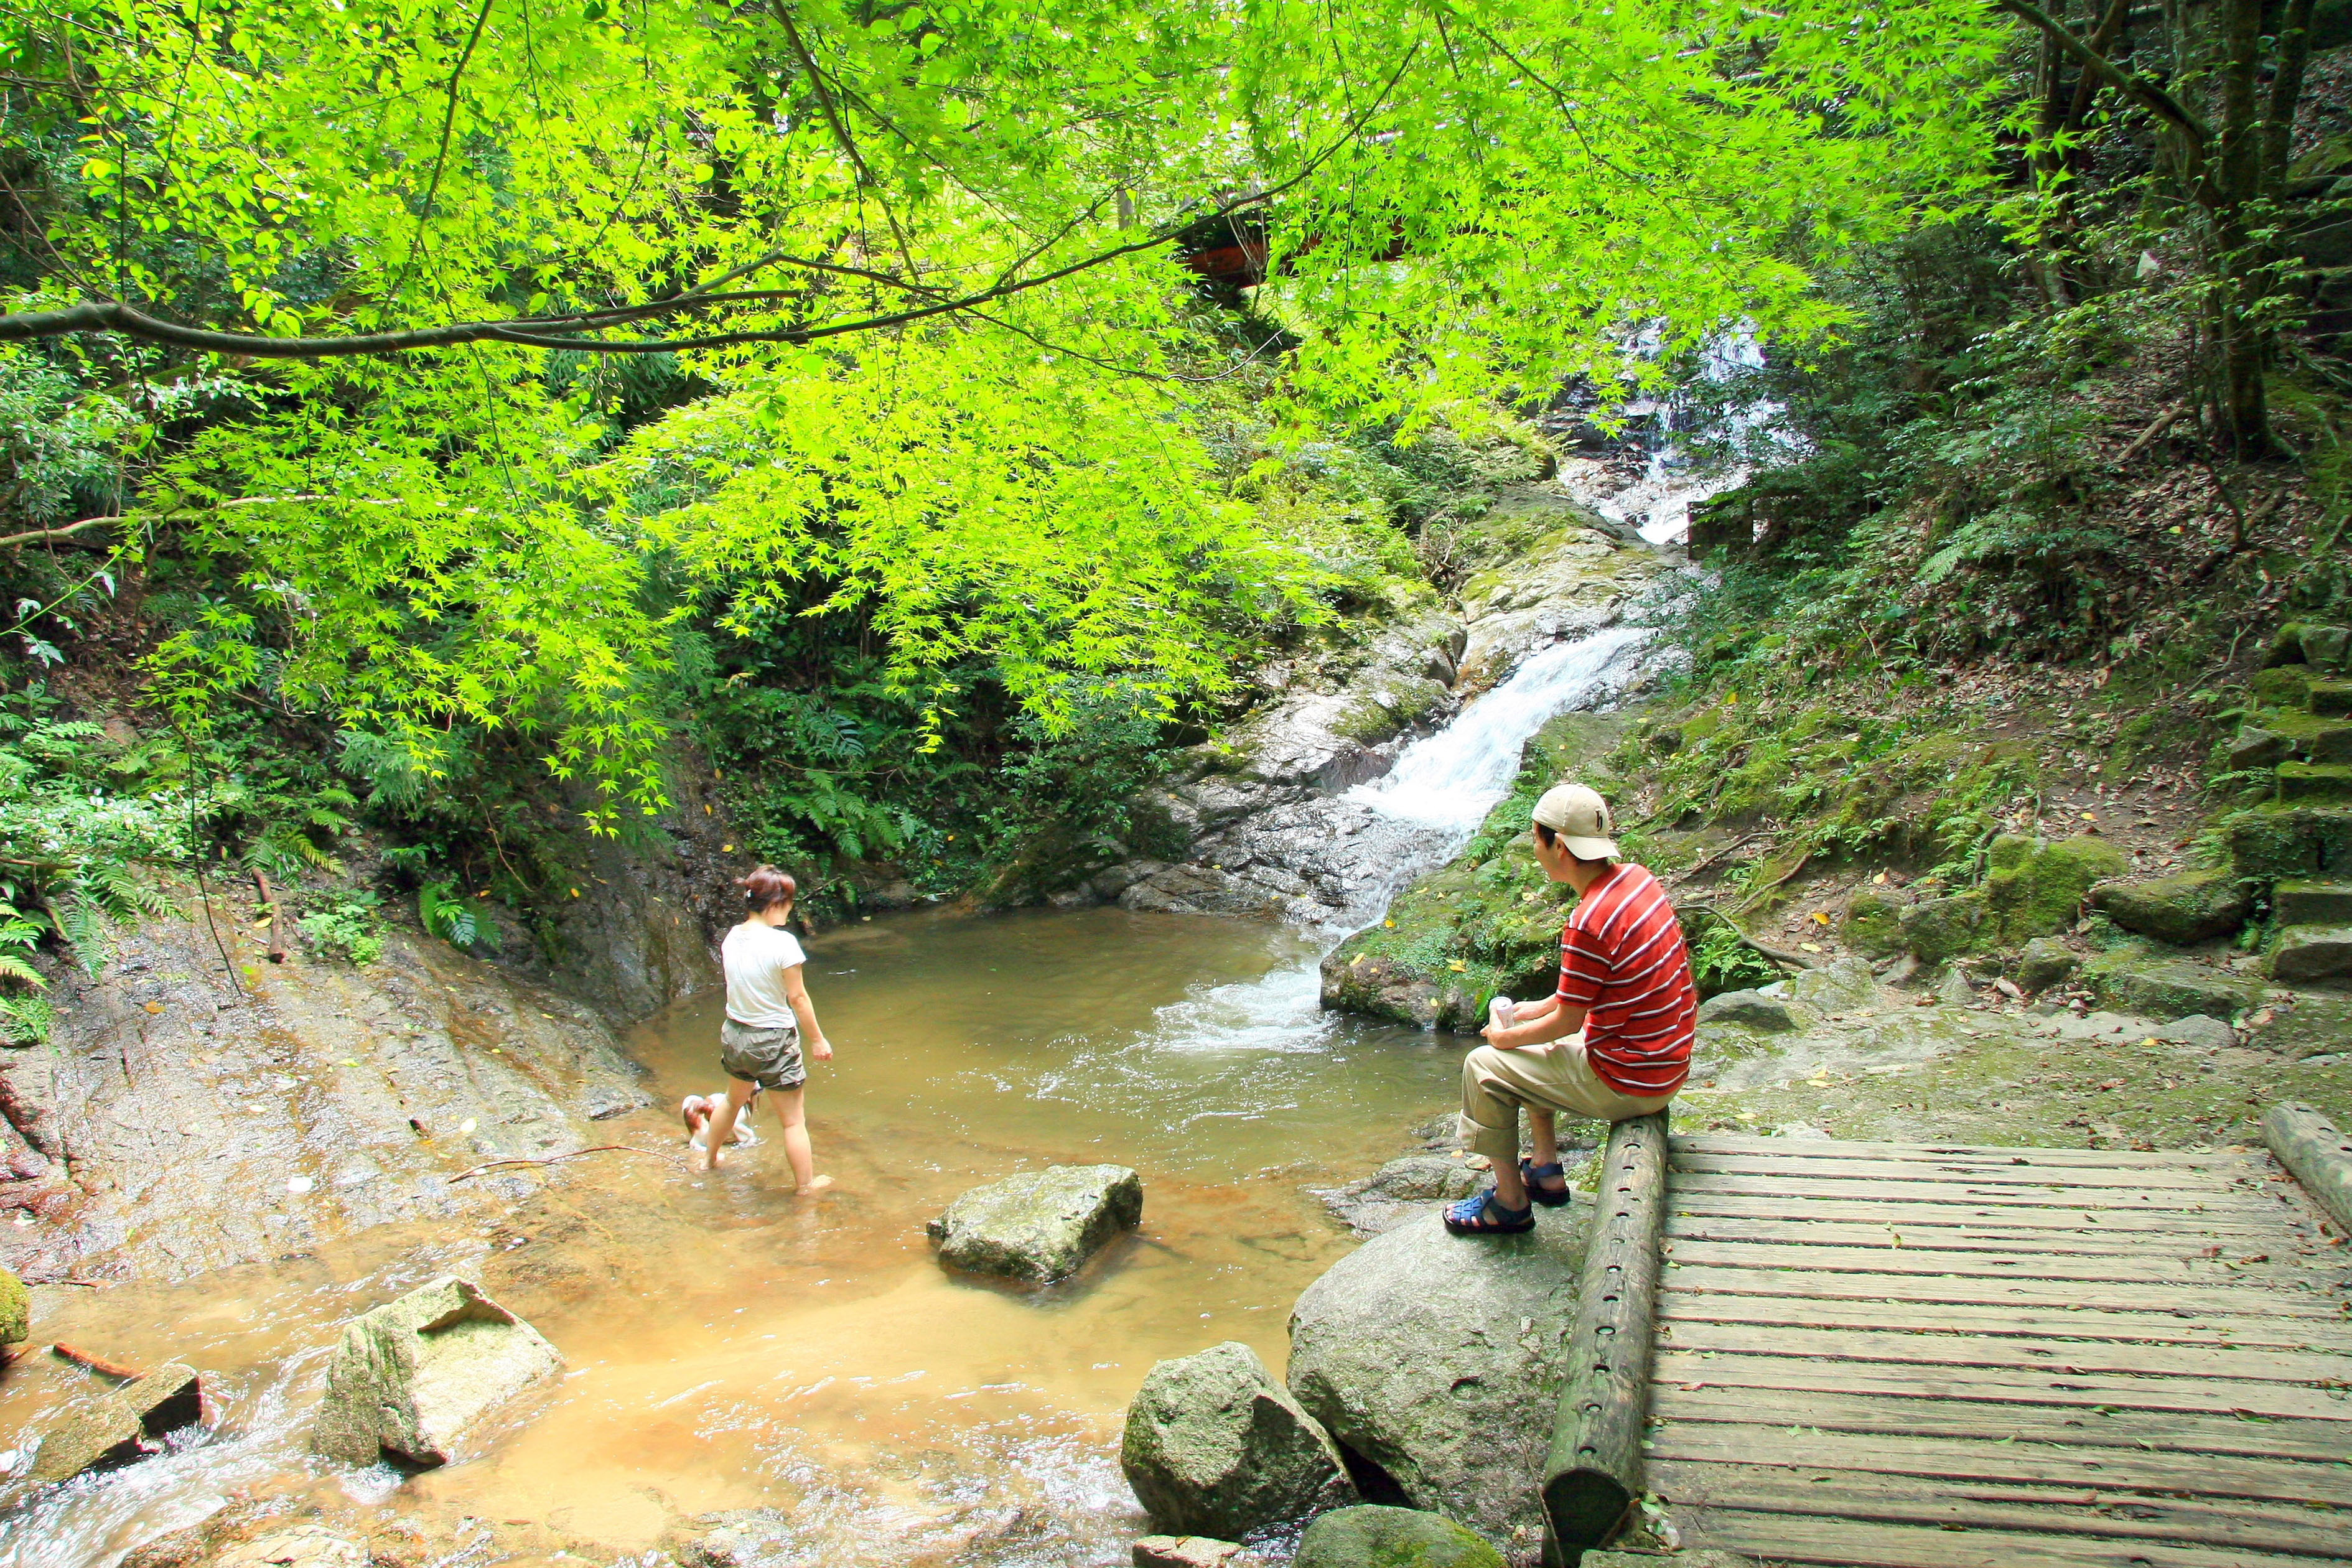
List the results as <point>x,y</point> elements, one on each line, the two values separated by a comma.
<point>756,955</point>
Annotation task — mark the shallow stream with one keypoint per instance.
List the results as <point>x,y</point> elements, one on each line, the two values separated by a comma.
<point>732,1346</point>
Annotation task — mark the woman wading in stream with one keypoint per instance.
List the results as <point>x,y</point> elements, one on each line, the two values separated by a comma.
<point>768,1015</point>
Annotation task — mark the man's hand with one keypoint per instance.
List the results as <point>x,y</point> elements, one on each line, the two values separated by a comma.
<point>1540,1023</point>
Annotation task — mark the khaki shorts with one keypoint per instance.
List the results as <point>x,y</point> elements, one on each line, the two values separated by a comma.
<point>1554,1078</point>
<point>770,1059</point>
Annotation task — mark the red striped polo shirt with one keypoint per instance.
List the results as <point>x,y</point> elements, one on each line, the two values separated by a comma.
<point>1622,960</point>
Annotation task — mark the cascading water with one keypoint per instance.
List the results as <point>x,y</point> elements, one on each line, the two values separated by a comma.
<point>1399,828</point>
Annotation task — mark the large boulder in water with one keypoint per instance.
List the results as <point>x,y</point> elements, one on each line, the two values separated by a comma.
<point>1214,1447</point>
<point>119,1425</point>
<point>16,1311</point>
<point>422,1377</point>
<point>1039,1226</point>
<point>1375,1537</point>
<point>1439,1359</point>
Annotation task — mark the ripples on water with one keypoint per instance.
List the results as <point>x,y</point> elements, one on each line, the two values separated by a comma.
<point>732,1348</point>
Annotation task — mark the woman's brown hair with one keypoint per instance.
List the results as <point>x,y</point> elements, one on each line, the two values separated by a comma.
<point>766,888</point>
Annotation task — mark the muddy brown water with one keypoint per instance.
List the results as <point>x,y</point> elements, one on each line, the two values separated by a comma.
<point>732,1346</point>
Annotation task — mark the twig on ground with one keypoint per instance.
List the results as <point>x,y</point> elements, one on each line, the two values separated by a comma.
<point>2146,437</point>
<point>1777,954</point>
<point>558,1158</point>
<point>95,1364</point>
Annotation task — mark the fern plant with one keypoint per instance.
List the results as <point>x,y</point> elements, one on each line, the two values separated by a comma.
<point>447,916</point>
<point>342,924</point>
<point>25,1014</point>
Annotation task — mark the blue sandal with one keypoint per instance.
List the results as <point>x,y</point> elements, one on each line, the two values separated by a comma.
<point>1534,1175</point>
<point>1486,1216</point>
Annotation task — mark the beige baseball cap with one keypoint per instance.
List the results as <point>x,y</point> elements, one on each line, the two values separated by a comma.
<point>1582,819</point>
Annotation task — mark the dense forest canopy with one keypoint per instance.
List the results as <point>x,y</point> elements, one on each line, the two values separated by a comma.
<point>909,273</point>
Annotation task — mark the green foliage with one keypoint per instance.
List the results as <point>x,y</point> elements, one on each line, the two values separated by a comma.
<point>343,924</point>
<point>442,911</point>
<point>494,547</point>
<point>25,1019</point>
<point>1721,961</point>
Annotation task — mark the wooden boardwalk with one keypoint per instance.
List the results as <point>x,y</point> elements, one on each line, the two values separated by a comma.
<point>1895,1356</point>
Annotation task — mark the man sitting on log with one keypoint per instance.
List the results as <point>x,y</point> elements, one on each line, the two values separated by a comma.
<point>1614,1040</point>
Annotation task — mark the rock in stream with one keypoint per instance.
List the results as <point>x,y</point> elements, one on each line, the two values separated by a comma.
<point>1436,1361</point>
<point>422,1377</point>
<point>1214,1447</point>
<point>1040,1225</point>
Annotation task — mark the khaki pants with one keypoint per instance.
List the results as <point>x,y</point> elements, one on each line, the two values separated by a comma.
<point>1554,1078</point>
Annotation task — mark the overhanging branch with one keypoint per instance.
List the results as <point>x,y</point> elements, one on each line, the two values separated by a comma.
<point>574,330</point>
<point>2132,85</point>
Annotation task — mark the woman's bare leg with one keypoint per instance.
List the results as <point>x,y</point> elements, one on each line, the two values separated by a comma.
<point>790,1112</point>
<point>721,1125</point>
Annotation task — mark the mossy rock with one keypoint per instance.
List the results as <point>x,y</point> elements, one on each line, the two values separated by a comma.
<point>1934,929</point>
<point>1374,1537</point>
<point>2130,981</point>
<point>16,1311</point>
<point>1872,924</point>
<point>2269,842</point>
<point>2188,906</point>
<point>2046,962</point>
<point>2035,886</point>
<point>2287,686</point>
<point>2310,1026</point>
<point>1386,707</point>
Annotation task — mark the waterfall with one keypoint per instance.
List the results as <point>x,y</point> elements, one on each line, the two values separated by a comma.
<point>1399,828</point>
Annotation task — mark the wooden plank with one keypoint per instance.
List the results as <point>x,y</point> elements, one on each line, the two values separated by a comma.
<point>2247,1302</point>
<point>1835,1148</point>
<point>2213,1331</point>
<point>2058,1217</point>
<point>1926,1172</point>
<point>1593,1469</point>
<point>2210,1273</point>
<point>2322,1440</point>
<point>1963,1459</point>
<point>1833,1544</point>
<point>2225,1202</point>
<point>2058,1390</point>
<point>1920,1348</point>
<point>2084,1241</point>
<point>2072,1510</point>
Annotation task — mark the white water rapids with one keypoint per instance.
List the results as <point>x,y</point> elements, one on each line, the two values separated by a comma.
<point>1403,825</point>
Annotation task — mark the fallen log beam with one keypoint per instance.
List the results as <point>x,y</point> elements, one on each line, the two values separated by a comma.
<point>2309,1144</point>
<point>1592,1475</point>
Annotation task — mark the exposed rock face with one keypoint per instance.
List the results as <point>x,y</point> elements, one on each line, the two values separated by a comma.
<point>1214,1447</point>
<point>1438,1359</point>
<point>1376,1537</point>
<point>2190,906</point>
<point>423,1376</point>
<point>2199,1031</point>
<point>1748,1010</point>
<point>1840,985</point>
<point>1040,1225</point>
<point>114,1428</point>
<point>1269,835</point>
<point>190,1117</point>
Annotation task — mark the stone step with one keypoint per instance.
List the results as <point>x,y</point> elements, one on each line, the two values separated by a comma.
<point>2312,952</point>
<point>2303,903</point>
<point>2329,699</point>
<point>2270,736</point>
<point>2292,842</point>
<point>2314,782</point>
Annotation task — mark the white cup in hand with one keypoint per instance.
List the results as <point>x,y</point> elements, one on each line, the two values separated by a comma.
<point>1502,1013</point>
